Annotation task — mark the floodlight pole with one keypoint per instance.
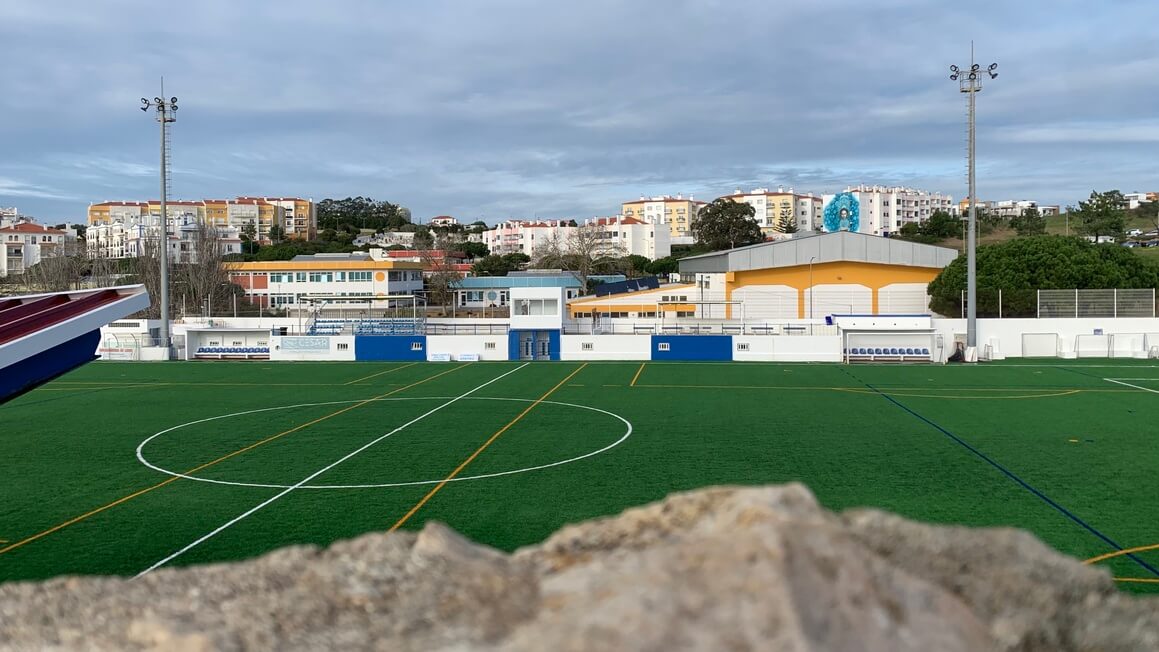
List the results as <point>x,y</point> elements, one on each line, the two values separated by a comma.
<point>166,113</point>
<point>969,82</point>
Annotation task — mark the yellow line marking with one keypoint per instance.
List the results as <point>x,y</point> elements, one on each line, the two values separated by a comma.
<point>1120,553</point>
<point>637,376</point>
<point>1140,580</point>
<point>223,458</point>
<point>392,370</point>
<point>79,385</point>
<point>893,390</point>
<point>459,469</point>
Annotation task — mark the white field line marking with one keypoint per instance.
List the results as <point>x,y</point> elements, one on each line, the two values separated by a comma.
<point>269,501</point>
<point>622,439</point>
<point>1145,389</point>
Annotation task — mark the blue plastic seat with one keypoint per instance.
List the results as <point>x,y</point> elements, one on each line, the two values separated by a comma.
<point>895,352</point>
<point>925,351</point>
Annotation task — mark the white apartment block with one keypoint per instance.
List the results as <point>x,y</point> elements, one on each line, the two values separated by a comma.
<point>633,236</point>
<point>25,244</point>
<point>295,217</point>
<point>129,240</point>
<point>1009,208</point>
<point>769,206</point>
<point>677,212</point>
<point>1132,200</point>
<point>522,237</point>
<point>883,210</point>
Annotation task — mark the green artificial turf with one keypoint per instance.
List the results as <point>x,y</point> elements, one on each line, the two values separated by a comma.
<point>1054,448</point>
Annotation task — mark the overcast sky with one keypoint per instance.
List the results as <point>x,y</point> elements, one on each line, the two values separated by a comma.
<point>520,108</point>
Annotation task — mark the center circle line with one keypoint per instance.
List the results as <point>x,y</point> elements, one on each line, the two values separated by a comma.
<point>141,457</point>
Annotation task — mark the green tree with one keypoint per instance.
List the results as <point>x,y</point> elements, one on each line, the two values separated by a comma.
<point>474,249</point>
<point>942,225</point>
<point>1147,211</point>
<point>663,266</point>
<point>249,239</point>
<point>786,223</point>
<point>1030,222</point>
<point>1041,262</point>
<point>725,224</point>
<point>636,265</point>
<point>1102,214</point>
<point>361,213</point>
<point>493,265</point>
<point>424,239</point>
<point>276,233</point>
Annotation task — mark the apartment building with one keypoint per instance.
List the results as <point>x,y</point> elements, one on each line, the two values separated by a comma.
<point>677,212</point>
<point>295,217</point>
<point>121,240</point>
<point>1009,208</point>
<point>885,209</point>
<point>770,206</point>
<point>358,276</point>
<point>631,235</point>
<point>25,244</point>
<point>523,236</point>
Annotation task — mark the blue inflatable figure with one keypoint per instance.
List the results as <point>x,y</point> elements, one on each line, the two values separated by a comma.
<point>843,213</point>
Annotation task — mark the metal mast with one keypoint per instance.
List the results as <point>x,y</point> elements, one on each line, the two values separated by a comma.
<point>970,82</point>
<point>166,113</point>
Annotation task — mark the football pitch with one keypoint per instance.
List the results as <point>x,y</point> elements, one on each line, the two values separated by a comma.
<point>121,468</point>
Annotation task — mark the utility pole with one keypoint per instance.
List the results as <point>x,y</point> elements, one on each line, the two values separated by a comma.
<point>166,113</point>
<point>970,82</point>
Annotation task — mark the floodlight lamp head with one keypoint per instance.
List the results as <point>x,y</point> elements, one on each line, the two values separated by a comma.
<point>158,100</point>
<point>954,69</point>
<point>173,100</point>
<point>144,104</point>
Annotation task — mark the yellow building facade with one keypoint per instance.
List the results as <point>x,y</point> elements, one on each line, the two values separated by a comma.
<point>676,212</point>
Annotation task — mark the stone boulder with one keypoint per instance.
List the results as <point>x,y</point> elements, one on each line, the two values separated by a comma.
<point>717,569</point>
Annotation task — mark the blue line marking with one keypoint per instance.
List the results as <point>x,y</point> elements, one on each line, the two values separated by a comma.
<point>1010,474</point>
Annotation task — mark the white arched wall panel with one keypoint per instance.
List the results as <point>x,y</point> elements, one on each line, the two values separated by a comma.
<point>846,299</point>
<point>765,302</point>
<point>903,299</point>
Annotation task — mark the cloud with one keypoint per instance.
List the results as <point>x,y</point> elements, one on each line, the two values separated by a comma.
<point>516,107</point>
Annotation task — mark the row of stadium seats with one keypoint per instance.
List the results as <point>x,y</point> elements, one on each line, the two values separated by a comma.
<point>233,350</point>
<point>884,351</point>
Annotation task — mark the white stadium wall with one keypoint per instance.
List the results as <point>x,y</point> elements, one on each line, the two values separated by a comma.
<point>606,347</point>
<point>790,348</point>
<point>316,347</point>
<point>1007,337</point>
<point>487,347</point>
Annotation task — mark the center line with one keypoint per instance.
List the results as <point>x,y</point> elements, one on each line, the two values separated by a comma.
<point>457,471</point>
<point>307,479</point>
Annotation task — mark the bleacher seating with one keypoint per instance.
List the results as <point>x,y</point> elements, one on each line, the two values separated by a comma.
<point>887,354</point>
<point>259,352</point>
<point>367,326</point>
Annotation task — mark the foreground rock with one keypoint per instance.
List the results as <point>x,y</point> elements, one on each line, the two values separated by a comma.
<point>719,569</point>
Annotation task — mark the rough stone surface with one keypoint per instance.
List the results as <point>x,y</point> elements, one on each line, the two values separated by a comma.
<point>718,569</point>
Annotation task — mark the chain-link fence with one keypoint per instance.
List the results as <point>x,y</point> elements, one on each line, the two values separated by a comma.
<point>1006,304</point>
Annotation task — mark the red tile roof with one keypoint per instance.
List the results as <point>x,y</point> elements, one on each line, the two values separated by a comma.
<point>28,227</point>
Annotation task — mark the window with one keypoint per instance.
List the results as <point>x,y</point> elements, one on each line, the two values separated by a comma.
<point>236,343</point>
<point>361,277</point>
<point>341,276</point>
<point>394,277</point>
<point>685,313</point>
<point>586,346</point>
<point>321,277</point>
<point>300,277</point>
<point>490,346</point>
<point>343,346</point>
<point>416,346</point>
<point>663,346</point>
<point>742,346</point>
<point>537,307</point>
<point>648,314</point>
